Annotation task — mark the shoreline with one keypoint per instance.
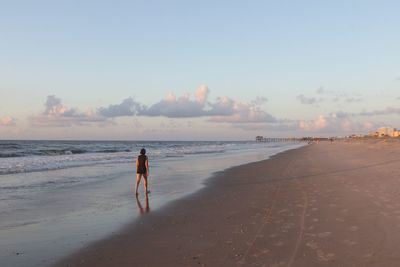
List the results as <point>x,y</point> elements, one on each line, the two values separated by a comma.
<point>324,204</point>
<point>98,208</point>
<point>143,205</point>
<point>134,229</point>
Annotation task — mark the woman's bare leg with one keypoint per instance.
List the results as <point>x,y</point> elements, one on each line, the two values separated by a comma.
<point>138,177</point>
<point>145,184</point>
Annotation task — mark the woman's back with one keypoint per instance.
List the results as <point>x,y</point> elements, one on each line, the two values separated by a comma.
<point>142,164</point>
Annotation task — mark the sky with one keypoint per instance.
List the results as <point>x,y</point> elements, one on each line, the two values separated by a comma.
<point>197,70</point>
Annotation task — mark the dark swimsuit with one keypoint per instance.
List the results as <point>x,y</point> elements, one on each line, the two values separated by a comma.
<point>142,164</point>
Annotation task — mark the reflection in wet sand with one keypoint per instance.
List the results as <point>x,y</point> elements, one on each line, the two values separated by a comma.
<point>146,209</point>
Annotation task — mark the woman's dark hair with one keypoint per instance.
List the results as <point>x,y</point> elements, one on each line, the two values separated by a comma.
<point>142,151</point>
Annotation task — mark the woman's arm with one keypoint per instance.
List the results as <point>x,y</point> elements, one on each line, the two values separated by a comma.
<point>147,166</point>
<point>137,164</point>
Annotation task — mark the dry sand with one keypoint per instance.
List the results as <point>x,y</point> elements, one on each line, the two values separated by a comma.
<point>322,205</point>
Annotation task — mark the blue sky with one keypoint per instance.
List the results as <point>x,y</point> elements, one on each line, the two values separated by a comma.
<point>275,68</point>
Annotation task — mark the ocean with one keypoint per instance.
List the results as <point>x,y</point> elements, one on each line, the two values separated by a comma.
<point>59,196</point>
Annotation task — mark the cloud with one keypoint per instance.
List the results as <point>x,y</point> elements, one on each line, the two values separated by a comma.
<point>378,112</point>
<point>333,96</point>
<point>353,99</point>
<point>58,115</point>
<point>181,107</point>
<point>222,109</point>
<point>308,100</point>
<point>386,111</point>
<point>276,126</point>
<point>227,110</point>
<point>314,125</point>
<point>320,90</point>
<point>7,121</point>
<point>259,100</point>
<point>128,107</point>
<point>333,123</point>
<point>202,94</point>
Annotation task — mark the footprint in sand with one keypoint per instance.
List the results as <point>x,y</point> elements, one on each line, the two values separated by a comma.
<point>325,234</point>
<point>349,242</point>
<point>324,256</point>
<point>264,251</point>
<point>384,214</point>
<point>339,219</point>
<point>278,264</point>
<point>278,244</point>
<point>377,203</point>
<point>312,245</point>
<point>344,210</point>
<point>353,228</point>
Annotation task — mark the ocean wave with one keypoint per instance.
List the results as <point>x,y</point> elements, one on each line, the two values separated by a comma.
<point>11,155</point>
<point>34,156</point>
<point>39,185</point>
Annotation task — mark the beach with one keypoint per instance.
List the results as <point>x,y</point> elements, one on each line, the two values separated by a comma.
<point>326,204</point>
<point>58,197</point>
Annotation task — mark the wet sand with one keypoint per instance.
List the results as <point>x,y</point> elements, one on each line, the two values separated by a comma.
<point>321,205</point>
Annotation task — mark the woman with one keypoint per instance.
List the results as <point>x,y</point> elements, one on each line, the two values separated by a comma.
<point>142,169</point>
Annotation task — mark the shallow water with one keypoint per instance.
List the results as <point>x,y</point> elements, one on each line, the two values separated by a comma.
<point>48,214</point>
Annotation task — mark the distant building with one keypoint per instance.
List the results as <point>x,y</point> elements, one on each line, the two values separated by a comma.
<point>387,132</point>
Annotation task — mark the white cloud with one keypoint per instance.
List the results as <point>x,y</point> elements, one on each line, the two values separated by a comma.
<point>314,125</point>
<point>7,121</point>
<point>335,124</point>
<point>202,94</point>
<point>223,109</point>
<point>240,112</point>
<point>181,107</point>
<point>58,115</point>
